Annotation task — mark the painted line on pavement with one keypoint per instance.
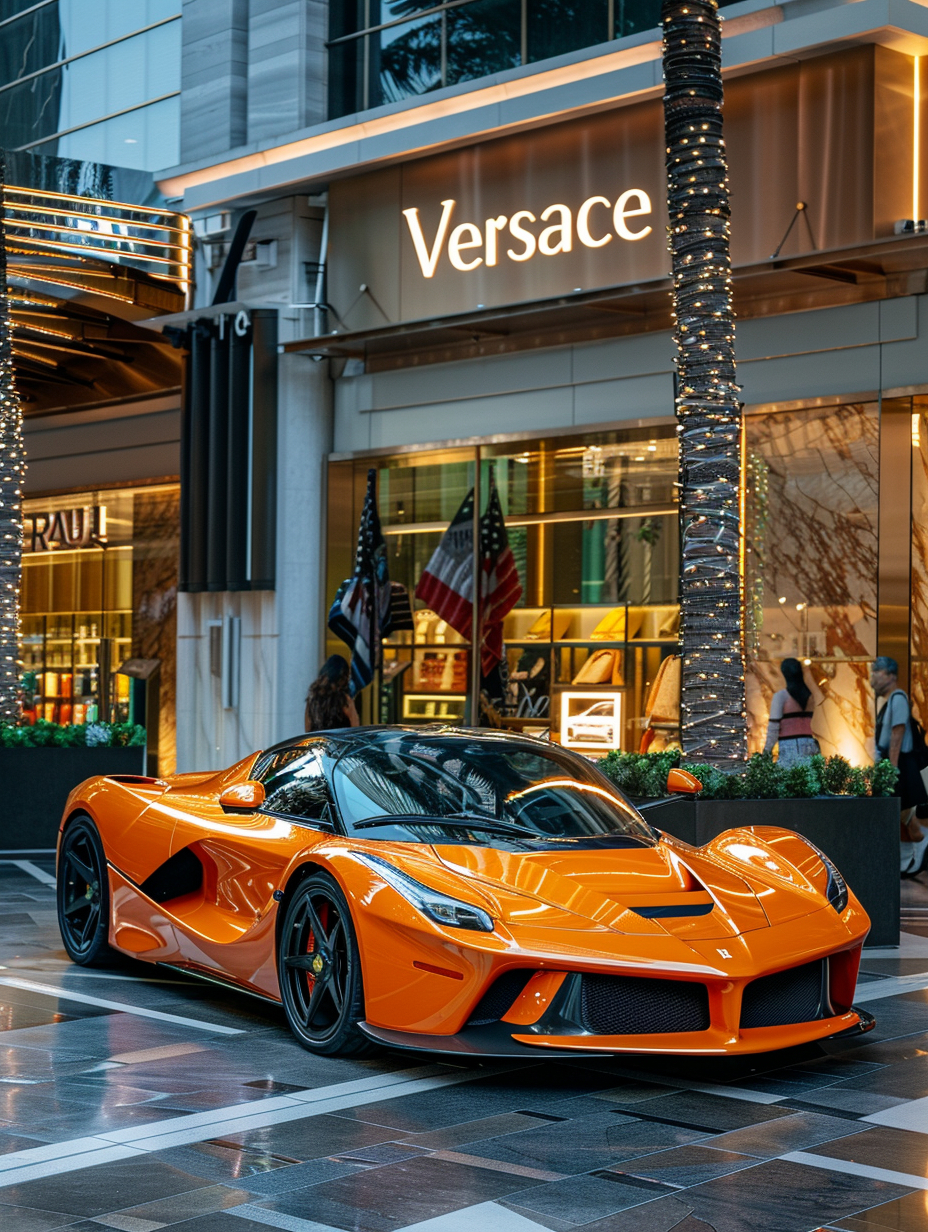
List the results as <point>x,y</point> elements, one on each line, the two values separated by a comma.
<point>119,1007</point>
<point>26,866</point>
<point>55,1158</point>
<point>893,986</point>
<point>912,1115</point>
<point>907,1179</point>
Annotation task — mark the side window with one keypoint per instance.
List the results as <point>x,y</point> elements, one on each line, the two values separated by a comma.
<point>295,785</point>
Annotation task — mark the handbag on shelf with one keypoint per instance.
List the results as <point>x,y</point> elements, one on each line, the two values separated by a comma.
<point>549,626</point>
<point>599,668</point>
<point>663,705</point>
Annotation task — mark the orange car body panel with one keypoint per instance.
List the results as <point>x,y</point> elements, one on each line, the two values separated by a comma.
<point>555,913</point>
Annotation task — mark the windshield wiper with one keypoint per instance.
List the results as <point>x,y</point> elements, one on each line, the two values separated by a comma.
<point>506,827</point>
<point>460,821</point>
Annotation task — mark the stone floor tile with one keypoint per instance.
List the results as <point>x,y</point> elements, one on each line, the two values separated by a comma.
<point>314,1137</point>
<point>883,1147</point>
<point>583,1199</point>
<point>28,1219</point>
<point>297,1176</point>
<point>790,1133</point>
<point>908,1214</point>
<point>684,1166</point>
<point>391,1197</point>
<point>104,1188</point>
<point>778,1196</point>
<point>711,1113</point>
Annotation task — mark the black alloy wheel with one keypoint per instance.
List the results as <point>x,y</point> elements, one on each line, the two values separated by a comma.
<point>319,968</point>
<point>83,895</point>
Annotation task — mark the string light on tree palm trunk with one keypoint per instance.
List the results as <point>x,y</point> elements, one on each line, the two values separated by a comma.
<point>709,419</point>
<point>12,471</point>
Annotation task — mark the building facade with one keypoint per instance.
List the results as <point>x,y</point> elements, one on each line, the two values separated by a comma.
<point>460,237</point>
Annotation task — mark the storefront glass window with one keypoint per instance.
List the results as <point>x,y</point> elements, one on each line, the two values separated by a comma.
<point>100,587</point>
<point>592,524</point>
<point>811,575</point>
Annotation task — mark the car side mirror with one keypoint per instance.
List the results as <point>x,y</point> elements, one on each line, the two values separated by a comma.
<point>242,798</point>
<point>682,782</point>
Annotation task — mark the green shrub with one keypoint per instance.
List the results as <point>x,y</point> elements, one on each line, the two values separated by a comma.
<point>43,734</point>
<point>763,778</point>
<point>882,776</point>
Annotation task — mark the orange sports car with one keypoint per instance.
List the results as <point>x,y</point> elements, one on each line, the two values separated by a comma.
<point>461,891</point>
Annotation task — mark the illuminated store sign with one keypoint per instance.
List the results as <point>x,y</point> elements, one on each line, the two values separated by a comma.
<point>470,245</point>
<point>66,529</point>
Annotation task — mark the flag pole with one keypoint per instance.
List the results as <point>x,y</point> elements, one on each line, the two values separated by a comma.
<point>476,630</point>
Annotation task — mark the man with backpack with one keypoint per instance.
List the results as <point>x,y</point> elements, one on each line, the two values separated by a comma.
<point>896,739</point>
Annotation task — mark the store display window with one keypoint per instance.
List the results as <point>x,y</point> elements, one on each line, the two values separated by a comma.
<point>812,532</point>
<point>592,524</point>
<point>99,587</point>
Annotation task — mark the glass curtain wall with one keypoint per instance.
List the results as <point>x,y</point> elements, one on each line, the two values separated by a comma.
<point>381,51</point>
<point>92,80</point>
<point>592,523</point>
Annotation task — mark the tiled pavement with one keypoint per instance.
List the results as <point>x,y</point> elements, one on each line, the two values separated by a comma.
<point>133,1099</point>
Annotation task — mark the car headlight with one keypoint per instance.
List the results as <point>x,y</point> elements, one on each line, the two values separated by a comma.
<point>435,906</point>
<point>835,885</point>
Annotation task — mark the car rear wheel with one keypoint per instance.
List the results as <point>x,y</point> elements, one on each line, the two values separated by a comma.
<point>319,967</point>
<point>83,895</point>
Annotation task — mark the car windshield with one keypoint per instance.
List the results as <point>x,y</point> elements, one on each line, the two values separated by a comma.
<point>525,791</point>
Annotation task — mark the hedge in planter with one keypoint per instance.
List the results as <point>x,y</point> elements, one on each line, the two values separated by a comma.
<point>41,764</point>
<point>644,775</point>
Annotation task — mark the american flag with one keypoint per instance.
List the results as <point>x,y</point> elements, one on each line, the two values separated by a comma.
<point>362,604</point>
<point>447,583</point>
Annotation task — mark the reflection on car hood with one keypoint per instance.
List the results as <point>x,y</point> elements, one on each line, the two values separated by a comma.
<point>631,890</point>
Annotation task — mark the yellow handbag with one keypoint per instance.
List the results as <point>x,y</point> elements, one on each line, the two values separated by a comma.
<point>612,627</point>
<point>541,630</point>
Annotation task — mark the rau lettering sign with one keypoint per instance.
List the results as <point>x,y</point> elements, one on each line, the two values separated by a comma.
<point>66,529</point>
<point>470,245</point>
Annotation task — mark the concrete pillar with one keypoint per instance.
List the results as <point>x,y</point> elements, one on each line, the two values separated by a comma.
<point>304,428</point>
<point>286,66</point>
<point>214,78</point>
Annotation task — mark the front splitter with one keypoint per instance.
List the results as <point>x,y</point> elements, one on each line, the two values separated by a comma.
<point>493,1040</point>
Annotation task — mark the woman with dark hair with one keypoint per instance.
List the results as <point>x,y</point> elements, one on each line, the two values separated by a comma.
<point>329,703</point>
<point>790,723</point>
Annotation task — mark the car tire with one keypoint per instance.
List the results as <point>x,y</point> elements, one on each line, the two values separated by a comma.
<point>83,895</point>
<point>319,968</point>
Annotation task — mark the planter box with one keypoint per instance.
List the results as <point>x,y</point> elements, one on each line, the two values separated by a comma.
<point>860,834</point>
<point>36,783</point>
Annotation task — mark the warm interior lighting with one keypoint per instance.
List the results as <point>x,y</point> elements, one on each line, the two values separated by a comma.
<point>916,430</point>
<point>916,134</point>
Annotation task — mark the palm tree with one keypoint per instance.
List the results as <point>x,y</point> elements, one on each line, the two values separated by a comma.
<point>708,410</point>
<point>12,470</point>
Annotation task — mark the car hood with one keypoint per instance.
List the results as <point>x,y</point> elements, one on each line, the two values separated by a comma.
<point>645,890</point>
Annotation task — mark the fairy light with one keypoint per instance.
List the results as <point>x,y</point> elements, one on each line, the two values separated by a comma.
<point>12,472</point>
<point>709,419</point>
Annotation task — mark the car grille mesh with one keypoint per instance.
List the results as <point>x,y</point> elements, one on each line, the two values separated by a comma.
<point>789,996</point>
<point>620,1005</point>
<point>499,997</point>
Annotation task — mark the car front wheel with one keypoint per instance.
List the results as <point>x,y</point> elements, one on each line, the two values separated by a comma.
<point>319,968</point>
<point>83,895</point>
